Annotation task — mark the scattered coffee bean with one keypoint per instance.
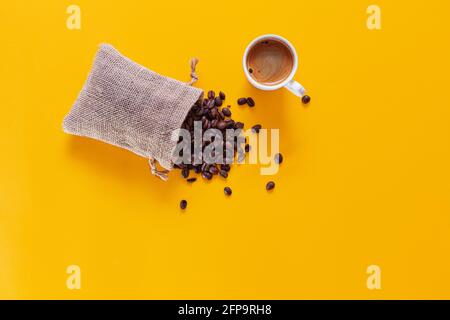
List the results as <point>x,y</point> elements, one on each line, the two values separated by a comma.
<point>191,180</point>
<point>218,101</point>
<point>306,99</point>
<point>198,169</point>
<point>226,112</point>
<point>250,102</point>
<point>185,172</point>
<point>221,125</point>
<point>211,94</point>
<point>227,191</point>
<point>225,167</point>
<point>183,204</point>
<point>270,185</point>
<point>242,101</point>
<point>247,148</point>
<point>222,95</point>
<point>213,170</point>
<point>256,128</point>
<point>278,158</point>
<point>239,125</point>
<point>224,174</point>
<point>206,175</point>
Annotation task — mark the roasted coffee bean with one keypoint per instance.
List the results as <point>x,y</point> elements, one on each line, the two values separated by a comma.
<point>185,172</point>
<point>230,123</point>
<point>191,180</point>
<point>211,103</point>
<point>224,174</point>
<point>227,191</point>
<point>250,102</point>
<point>256,128</point>
<point>239,125</point>
<point>222,95</point>
<point>225,167</point>
<point>214,113</point>
<point>198,168</point>
<point>218,101</point>
<point>204,123</point>
<point>270,185</point>
<point>183,204</point>
<point>242,101</point>
<point>226,112</point>
<point>213,170</point>
<point>306,99</point>
<point>221,125</point>
<point>278,158</point>
<point>206,175</point>
<point>211,94</point>
<point>247,148</point>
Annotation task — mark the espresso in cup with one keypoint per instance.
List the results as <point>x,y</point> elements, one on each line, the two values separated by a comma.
<point>270,62</point>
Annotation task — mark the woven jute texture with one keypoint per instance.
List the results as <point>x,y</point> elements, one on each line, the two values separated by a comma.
<point>130,106</point>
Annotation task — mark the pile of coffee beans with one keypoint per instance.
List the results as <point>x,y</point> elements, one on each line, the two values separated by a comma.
<point>213,114</point>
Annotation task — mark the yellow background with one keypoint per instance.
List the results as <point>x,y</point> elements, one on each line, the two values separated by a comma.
<point>366,176</point>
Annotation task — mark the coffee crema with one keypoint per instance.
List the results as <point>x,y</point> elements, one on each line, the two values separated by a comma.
<point>270,62</point>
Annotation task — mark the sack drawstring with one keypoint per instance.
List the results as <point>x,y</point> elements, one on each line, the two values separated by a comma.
<point>194,76</point>
<point>162,174</point>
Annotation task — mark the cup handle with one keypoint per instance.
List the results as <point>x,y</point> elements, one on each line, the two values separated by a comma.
<point>296,88</point>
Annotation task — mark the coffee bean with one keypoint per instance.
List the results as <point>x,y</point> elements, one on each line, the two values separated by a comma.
<point>214,113</point>
<point>211,94</point>
<point>306,99</point>
<point>242,101</point>
<point>239,125</point>
<point>218,101</point>
<point>270,185</point>
<point>211,103</point>
<point>183,204</point>
<point>222,95</point>
<point>227,191</point>
<point>185,172</point>
<point>250,70</point>
<point>247,147</point>
<point>256,128</point>
<point>230,123</point>
<point>250,102</point>
<point>226,112</point>
<point>206,175</point>
<point>225,167</point>
<point>224,174</point>
<point>278,158</point>
<point>221,125</point>
<point>191,180</point>
<point>213,170</point>
<point>198,168</point>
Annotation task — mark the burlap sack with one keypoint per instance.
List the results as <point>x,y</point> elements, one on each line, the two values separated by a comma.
<point>130,106</point>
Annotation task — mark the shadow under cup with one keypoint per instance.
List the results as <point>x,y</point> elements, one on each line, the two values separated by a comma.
<point>270,61</point>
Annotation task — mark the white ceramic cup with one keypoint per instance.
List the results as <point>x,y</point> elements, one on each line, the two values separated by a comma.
<point>292,85</point>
